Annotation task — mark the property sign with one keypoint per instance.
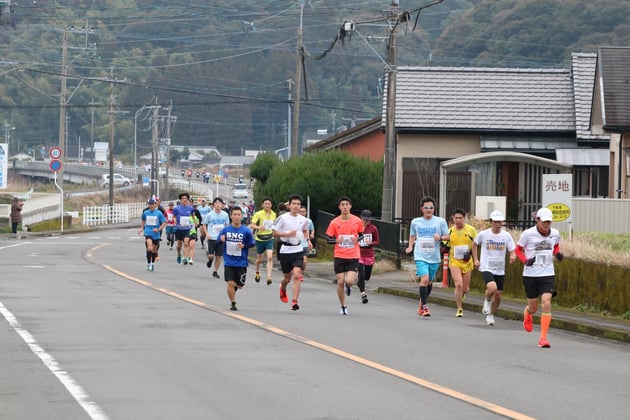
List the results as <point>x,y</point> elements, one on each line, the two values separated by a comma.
<point>557,192</point>
<point>4,165</point>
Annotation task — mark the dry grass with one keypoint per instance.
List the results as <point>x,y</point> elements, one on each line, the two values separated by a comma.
<point>600,247</point>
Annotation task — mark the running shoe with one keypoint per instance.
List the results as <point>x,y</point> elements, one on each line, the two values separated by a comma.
<point>486,307</point>
<point>233,307</point>
<point>185,261</point>
<point>543,343</point>
<point>459,313</point>
<point>179,259</point>
<point>343,310</point>
<point>215,275</point>
<point>190,262</point>
<point>348,290</point>
<point>364,298</point>
<point>148,267</point>
<point>283,295</point>
<point>528,321</point>
<point>257,277</point>
<point>295,305</point>
<point>490,319</point>
<point>425,311</point>
<point>268,281</point>
<point>209,263</point>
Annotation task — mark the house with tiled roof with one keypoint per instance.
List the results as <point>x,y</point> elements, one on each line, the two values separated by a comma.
<point>610,113</point>
<point>445,113</point>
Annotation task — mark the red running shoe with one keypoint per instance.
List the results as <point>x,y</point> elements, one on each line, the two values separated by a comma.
<point>283,295</point>
<point>543,343</point>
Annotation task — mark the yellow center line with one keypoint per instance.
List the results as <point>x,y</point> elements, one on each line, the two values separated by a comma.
<point>494,408</point>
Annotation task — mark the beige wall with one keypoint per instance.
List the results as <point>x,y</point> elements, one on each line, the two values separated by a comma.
<point>430,146</point>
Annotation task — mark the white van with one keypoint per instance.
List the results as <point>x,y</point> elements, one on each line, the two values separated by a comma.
<point>240,191</point>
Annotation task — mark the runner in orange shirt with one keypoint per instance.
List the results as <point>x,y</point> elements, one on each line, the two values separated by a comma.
<point>345,231</point>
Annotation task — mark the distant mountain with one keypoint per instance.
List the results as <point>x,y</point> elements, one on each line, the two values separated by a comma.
<point>223,67</point>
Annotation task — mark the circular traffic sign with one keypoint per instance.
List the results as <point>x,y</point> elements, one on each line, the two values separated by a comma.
<point>55,165</point>
<point>55,152</point>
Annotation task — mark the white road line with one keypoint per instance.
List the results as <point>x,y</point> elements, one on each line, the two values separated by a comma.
<point>77,392</point>
<point>13,246</point>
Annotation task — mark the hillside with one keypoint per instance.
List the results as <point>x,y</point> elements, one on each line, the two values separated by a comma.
<point>224,67</point>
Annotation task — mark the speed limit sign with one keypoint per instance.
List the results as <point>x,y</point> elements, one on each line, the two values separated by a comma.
<point>55,152</point>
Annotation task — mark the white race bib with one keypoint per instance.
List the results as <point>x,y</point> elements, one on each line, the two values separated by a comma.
<point>426,244</point>
<point>346,241</point>
<point>151,221</point>
<point>233,249</point>
<point>460,251</point>
<point>544,257</point>
<point>184,221</point>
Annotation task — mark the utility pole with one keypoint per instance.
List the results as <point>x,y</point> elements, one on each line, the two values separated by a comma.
<point>112,122</point>
<point>154,148</point>
<point>394,18</point>
<point>62,105</point>
<point>389,158</point>
<point>63,102</point>
<point>298,86</point>
<point>112,130</point>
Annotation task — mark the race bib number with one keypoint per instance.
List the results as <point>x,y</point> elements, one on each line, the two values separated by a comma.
<point>232,249</point>
<point>346,241</point>
<point>268,224</point>
<point>460,251</point>
<point>496,263</point>
<point>151,220</point>
<point>366,240</point>
<point>170,217</point>
<point>426,244</point>
<point>216,229</point>
<point>184,221</point>
<point>544,258</point>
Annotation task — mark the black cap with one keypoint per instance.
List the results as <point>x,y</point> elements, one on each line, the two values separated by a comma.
<point>366,214</point>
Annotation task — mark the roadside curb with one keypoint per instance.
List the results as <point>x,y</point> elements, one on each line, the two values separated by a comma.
<point>557,322</point>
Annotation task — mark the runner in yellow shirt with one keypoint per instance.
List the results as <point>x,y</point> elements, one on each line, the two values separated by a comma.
<point>461,264</point>
<point>262,226</point>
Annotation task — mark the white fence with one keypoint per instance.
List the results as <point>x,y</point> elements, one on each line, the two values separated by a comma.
<point>118,213</point>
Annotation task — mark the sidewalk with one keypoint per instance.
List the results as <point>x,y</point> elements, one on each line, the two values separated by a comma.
<point>399,283</point>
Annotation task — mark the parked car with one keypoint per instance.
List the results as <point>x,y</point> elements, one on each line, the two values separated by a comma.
<point>240,191</point>
<point>119,181</point>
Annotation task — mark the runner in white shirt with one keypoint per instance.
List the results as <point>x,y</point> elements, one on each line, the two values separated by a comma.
<point>536,249</point>
<point>292,228</point>
<point>495,243</point>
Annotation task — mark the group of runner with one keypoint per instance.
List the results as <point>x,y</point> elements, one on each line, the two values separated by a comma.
<point>354,238</point>
<point>430,238</point>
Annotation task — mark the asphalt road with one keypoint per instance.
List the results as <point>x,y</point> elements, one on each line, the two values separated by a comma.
<point>86,332</point>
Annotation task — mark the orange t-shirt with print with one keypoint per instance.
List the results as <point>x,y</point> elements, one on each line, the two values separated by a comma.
<point>348,231</point>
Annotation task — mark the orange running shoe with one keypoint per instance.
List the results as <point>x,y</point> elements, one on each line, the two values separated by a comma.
<point>528,321</point>
<point>283,295</point>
